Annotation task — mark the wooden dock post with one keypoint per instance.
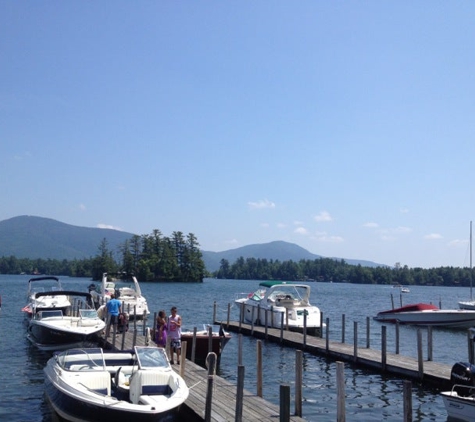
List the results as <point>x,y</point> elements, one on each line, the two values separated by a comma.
<point>229,316</point>
<point>252,320</point>
<point>355,341</point>
<point>211,361</point>
<point>407,401</point>
<point>241,315</point>
<point>383,348</point>
<point>193,345</point>
<point>327,336</point>
<point>368,323</point>
<point>304,330</point>
<point>214,311</point>
<point>420,357</point>
<point>258,319</point>
<point>282,327</point>
<point>266,334</point>
<point>239,393</point>
<point>343,317</point>
<point>183,358</point>
<point>340,392</point>
<point>397,337</point>
<point>259,368</point>
<point>240,349</point>
<point>284,414</point>
<point>429,343</point>
<point>321,325</point>
<point>298,382</point>
<point>210,339</point>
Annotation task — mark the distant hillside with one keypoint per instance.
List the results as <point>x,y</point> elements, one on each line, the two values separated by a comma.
<point>277,250</point>
<point>37,237</point>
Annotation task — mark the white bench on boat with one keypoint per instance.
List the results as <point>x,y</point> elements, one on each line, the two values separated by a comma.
<point>149,383</point>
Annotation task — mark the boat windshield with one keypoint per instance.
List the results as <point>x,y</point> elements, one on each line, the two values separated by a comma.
<point>151,357</point>
<point>299,293</point>
<point>90,359</point>
<point>88,314</point>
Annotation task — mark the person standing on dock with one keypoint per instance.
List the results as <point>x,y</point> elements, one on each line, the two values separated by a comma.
<point>174,334</point>
<point>113,307</point>
<point>161,334</point>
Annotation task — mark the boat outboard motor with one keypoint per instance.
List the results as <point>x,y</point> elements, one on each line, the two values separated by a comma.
<point>463,373</point>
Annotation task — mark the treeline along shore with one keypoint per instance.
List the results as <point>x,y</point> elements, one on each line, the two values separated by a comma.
<point>155,257</point>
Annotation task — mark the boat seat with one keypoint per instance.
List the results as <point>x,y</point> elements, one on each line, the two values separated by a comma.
<point>98,381</point>
<point>149,383</point>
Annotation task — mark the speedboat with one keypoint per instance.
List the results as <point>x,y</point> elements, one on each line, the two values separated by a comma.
<point>57,329</point>
<point>460,400</point>
<point>219,339</point>
<point>47,284</point>
<point>94,385</point>
<point>277,299</point>
<point>126,289</point>
<point>427,314</point>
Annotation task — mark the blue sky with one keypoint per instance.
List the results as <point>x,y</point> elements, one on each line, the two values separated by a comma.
<point>345,127</point>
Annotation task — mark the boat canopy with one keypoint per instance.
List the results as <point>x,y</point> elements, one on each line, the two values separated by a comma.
<point>274,283</point>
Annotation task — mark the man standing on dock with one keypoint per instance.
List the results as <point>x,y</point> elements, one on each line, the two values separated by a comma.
<point>113,307</point>
<point>174,335</point>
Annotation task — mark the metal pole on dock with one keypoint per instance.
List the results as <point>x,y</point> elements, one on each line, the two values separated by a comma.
<point>340,392</point>
<point>259,368</point>
<point>298,382</point>
<point>284,414</point>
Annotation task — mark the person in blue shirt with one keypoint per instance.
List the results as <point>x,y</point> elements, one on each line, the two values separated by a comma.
<point>113,307</point>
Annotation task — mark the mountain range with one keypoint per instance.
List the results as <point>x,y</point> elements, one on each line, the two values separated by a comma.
<point>38,237</point>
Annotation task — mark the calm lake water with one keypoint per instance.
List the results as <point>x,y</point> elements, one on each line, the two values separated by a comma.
<point>369,396</point>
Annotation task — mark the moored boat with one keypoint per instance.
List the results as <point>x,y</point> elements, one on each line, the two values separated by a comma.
<point>203,346</point>
<point>50,301</point>
<point>126,288</point>
<point>59,329</point>
<point>427,314</point>
<point>93,385</point>
<point>281,304</point>
<point>460,400</point>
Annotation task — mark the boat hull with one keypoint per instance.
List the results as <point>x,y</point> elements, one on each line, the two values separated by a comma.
<point>276,316</point>
<point>437,318</point>
<point>202,345</point>
<point>75,409</point>
<point>459,408</point>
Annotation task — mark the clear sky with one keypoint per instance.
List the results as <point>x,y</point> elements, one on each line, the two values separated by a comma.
<point>346,127</point>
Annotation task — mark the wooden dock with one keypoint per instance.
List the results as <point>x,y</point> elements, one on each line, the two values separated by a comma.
<point>428,372</point>
<point>223,404</point>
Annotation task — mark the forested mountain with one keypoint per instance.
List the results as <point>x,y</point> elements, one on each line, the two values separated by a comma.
<point>38,237</point>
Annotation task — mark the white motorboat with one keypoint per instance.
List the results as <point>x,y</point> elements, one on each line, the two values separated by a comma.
<point>460,400</point>
<point>405,289</point>
<point>280,304</point>
<point>426,314</point>
<point>93,385</point>
<point>126,289</point>
<point>59,329</point>
<point>53,301</point>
